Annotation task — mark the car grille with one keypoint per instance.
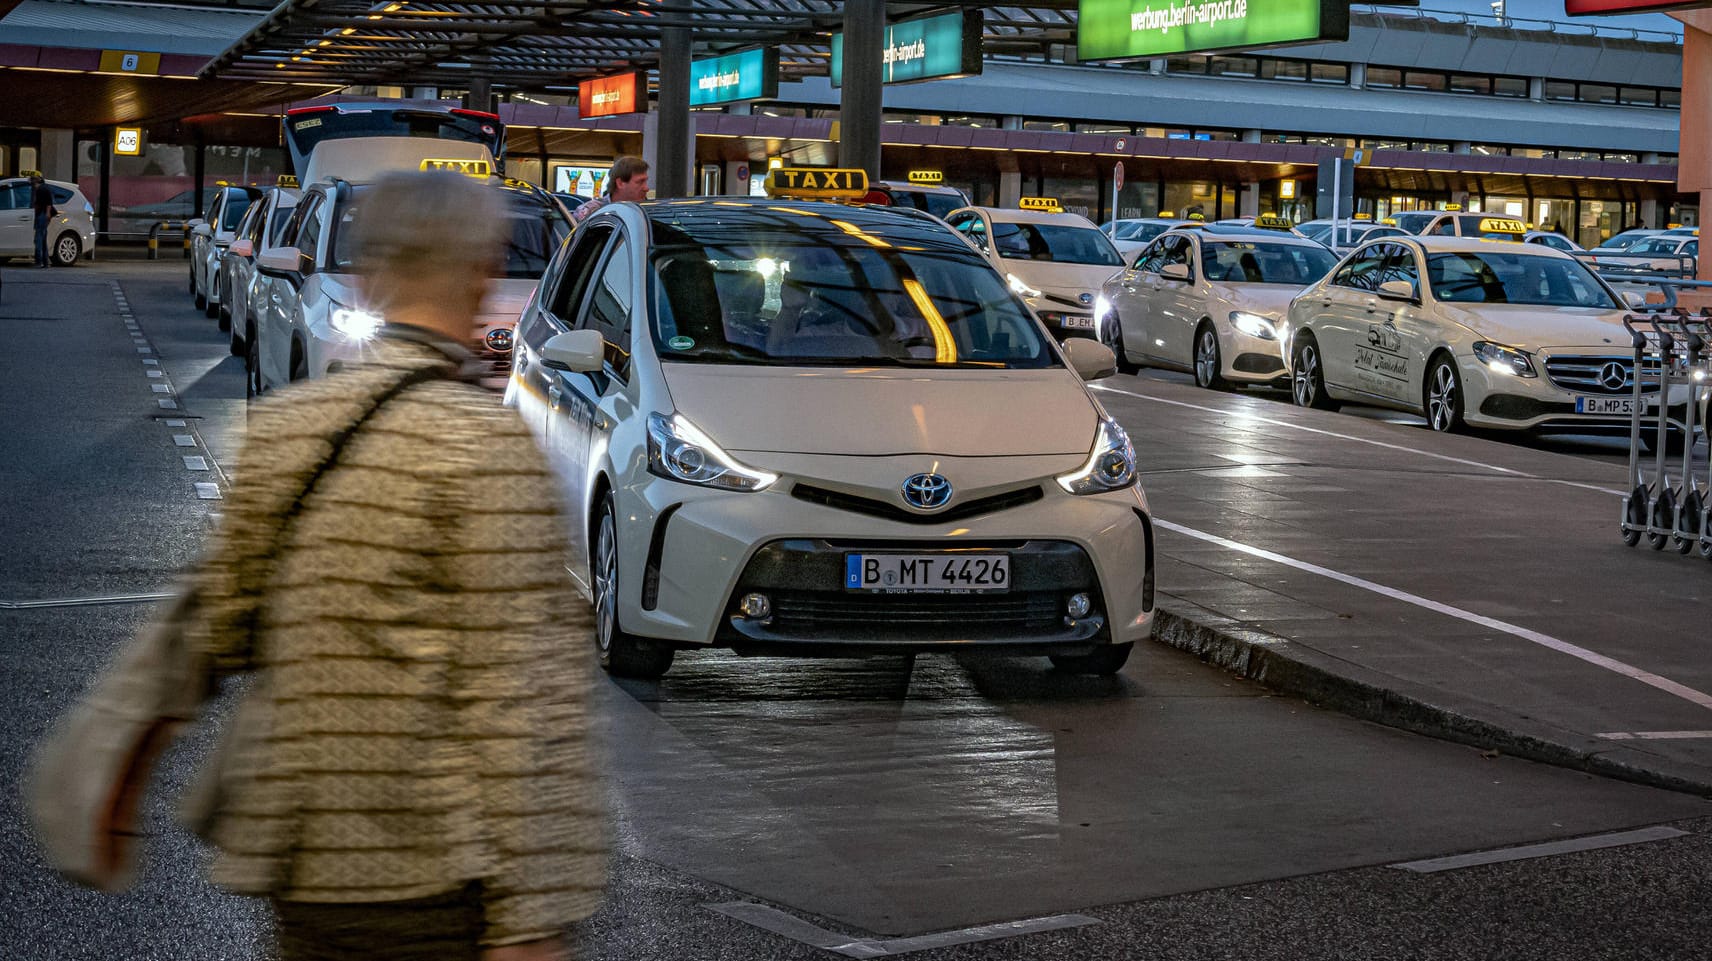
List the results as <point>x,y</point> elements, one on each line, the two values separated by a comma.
<point>855,616</point>
<point>1581,373</point>
<point>878,508</point>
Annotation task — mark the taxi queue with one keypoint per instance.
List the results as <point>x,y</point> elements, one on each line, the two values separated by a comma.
<point>721,498</point>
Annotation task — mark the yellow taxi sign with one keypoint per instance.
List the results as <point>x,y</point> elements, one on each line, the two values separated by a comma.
<point>286,181</point>
<point>1198,217</point>
<point>928,177</point>
<point>816,183</point>
<point>1502,225</point>
<point>1453,207</point>
<point>1273,222</point>
<point>1389,221</point>
<point>1361,216</point>
<point>1048,205</point>
<point>1167,214</point>
<point>469,168</point>
<point>29,173</point>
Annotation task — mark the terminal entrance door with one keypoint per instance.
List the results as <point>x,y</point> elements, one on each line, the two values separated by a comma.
<point>20,149</point>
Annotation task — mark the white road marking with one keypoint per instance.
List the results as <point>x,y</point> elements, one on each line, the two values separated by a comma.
<point>167,404</point>
<point>1657,735</point>
<point>161,388</point>
<point>208,492</point>
<point>173,423</point>
<point>1545,850</point>
<point>84,601</point>
<point>154,373</point>
<point>1359,440</point>
<point>778,922</point>
<point>1613,665</point>
<point>151,362</point>
<point>184,440</point>
<point>196,463</point>
<point>145,350</point>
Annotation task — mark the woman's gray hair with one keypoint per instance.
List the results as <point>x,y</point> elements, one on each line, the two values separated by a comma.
<point>417,223</point>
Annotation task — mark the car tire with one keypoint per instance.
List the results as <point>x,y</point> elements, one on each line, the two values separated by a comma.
<point>201,301</point>
<point>1103,661</point>
<point>210,306</point>
<point>621,654</point>
<point>66,250</point>
<point>252,362</point>
<point>1308,375</point>
<point>1443,396</point>
<point>1209,364</point>
<point>1111,334</point>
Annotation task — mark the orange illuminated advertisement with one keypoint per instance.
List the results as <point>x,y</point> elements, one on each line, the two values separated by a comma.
<point>610,96</point>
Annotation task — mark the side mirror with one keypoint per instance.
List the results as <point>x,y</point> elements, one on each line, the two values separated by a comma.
<point>1175,272</point>
<point>579,351</point>
<point>285,262</point>
<point>1090,359</point>
<point>1397,290</point>
<point>242,248</point>
<point>1634,298</point>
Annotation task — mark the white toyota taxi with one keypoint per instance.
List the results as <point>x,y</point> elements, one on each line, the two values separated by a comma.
<point>1465,331</point>
<point>1056,261</point>
<point>1210,300</point>
<point>775,422</point>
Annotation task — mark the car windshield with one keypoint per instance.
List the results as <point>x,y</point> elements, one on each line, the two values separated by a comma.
<point>1144,233</point>
<point>789,295</point>
<point>1514,278</point>
<point>1251,262</point>
<point>1656,245</point>
<point>1415,222</point>
<point>536,229</point>
<point>1060,243</point>
<point>1315,232</point>
<point>236,204</point>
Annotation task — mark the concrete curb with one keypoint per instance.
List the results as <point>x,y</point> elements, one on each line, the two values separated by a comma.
<point>1321,679</point>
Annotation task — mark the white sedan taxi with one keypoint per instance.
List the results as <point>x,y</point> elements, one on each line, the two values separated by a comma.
<point>1464,331</point>
<point>209,239</point>
<point>773,424</point>
<point>1210,300</point>
<point>1057,262</point>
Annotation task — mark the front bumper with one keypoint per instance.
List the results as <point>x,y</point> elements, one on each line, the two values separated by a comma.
<point>1504,402</point>
<point>1248,359</point>
<point>688,556</point>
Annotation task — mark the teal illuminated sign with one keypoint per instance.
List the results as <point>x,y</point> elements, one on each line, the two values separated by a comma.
<point>932,48</point>
<point>750,75</point>
<point>1129,29</point>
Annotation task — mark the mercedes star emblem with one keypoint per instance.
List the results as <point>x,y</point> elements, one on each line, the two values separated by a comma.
<point>1613,376</point>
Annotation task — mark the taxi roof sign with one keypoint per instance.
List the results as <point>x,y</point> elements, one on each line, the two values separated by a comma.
<point>1453,208</point>
<point>1502,225</point>
<point>1273,222</point>
<point>469,168</point>
<point>928,177</point>
<point>816,183</point>
<point>287,181</point>
<point>1048,205</point>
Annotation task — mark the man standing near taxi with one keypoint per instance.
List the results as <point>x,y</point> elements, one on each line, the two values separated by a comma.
<point>41,201</point>
<point>627,181</point>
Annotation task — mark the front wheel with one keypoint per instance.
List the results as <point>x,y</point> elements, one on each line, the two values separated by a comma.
<point>66,250</point>
<point>1307,376</point>
<point>621,654</point>
<point>1104,661</point>
<point>252,362</point>
<point>210,306</point>
<point>1111,334</point>
<point>1444,397</point>
<point>1209,371</point>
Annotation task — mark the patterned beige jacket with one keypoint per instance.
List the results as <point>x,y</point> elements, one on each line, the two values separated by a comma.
<point>418,717</point>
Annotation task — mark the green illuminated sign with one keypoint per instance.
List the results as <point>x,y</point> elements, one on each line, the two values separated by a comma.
<point>1125,29</point>
<point>932,48</point>
<point>750,75</point>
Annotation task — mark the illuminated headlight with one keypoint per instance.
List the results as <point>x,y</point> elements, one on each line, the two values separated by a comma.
<point>1254,325</point>
<point>356,324</point>
<point>678,450</point>
<point>1504,360</point>
<point>1111,465</point>
<point>1102,307</point>
<point>1019,287</point>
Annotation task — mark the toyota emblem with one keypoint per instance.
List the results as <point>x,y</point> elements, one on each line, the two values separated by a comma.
<point>1613,376</point>
<point>499,340</point>
<point>928,492</point>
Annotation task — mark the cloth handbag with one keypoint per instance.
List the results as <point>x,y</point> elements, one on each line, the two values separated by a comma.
<point>87,778</point>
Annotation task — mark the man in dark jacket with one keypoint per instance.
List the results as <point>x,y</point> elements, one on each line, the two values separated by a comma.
<point>41,200</point>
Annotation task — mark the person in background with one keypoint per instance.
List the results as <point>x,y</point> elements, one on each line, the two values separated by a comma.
<point>41,201</point>
<point>627,181</point>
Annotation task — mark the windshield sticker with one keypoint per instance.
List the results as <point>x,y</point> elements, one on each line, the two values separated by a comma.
<point>681,342</point>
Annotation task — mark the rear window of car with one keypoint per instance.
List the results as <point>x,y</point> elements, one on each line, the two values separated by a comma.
<point>61,195</point>
<point>537,228</point>
<point>236,204</point>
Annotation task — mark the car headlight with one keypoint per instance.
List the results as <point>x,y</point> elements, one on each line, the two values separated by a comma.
<point>1021,288</point>
<point>1102,306</point>
<point>356,324</point>
<point>1111,465</point>
<point>678,450</point>
<point>1504,360</point>
<point>1254,325</point>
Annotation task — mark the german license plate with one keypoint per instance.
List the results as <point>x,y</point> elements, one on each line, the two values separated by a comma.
<point>928,573</point>
<point>1620,406</point>
<point>1075,322</point>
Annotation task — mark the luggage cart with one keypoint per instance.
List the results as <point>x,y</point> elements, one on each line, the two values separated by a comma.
<point>1650,506</point>
<point>1691,499</point>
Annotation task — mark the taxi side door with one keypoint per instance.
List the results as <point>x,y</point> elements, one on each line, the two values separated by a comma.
<point>1129,297</point>
<point>1401,336</point>
<point>1341,312</point>
<point>1176,303</point>
<point>17,220</point>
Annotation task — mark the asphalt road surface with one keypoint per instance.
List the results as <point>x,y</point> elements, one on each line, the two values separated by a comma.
<point>813,809</point>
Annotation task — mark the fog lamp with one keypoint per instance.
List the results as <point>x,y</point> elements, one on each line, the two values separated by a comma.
<point>755,607</point>
<point>1079,606</point>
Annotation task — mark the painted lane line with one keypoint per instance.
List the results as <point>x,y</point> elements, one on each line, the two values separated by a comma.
<point>1360,440</point>
<point>208,492</point>
<point>154,373</point>
<point>1548,849</point>
<point>1657,735</point>
<point>786,925</point>
<point>195,463</point>
<point>83,601</point>
<point>145,350</point>
<point>151,362</point>
<point>173,423</point>
<point>167,404</point>
<point>183,440</point>
<point>1613,665</point>
<point>161,388</point>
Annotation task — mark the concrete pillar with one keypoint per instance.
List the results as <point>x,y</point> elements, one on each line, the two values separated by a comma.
<point>1650,214</point>
<point>1536,88</point>
<point>1010,188</point>
<point>481,94</point>
<point>1462,147</point>
<point>58,157</point>
<point>1248,201</point>
<point>863,90</point>
<point>1358,75</point>
<point>1010,123</point>
<point>1251,136</point>
<point>671,123</point>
